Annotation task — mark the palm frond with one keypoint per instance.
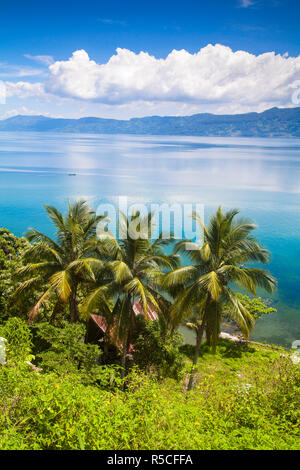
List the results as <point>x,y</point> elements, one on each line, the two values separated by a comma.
<point>99,297</point>
<point>33,313</point>
<point>120,270</point>
<point>238,313</point>
<point>180,276</point>
<point>61,283</point>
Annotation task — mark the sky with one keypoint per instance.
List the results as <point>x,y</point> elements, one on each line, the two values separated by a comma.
<point>123,59</point>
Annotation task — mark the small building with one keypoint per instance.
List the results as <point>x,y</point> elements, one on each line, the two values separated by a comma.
<point>97,324</point>
<point>96,329</point>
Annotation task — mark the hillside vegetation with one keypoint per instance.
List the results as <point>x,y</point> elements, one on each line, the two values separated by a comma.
<point>246,397</point>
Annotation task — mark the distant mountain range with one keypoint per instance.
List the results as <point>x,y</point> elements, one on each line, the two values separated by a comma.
<point>271,123</point>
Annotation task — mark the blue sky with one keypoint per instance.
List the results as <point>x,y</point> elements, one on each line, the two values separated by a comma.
<point>36,35</point>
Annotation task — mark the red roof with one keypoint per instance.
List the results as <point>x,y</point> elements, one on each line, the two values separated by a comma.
<point>138,310</point>
<point>100,321</point>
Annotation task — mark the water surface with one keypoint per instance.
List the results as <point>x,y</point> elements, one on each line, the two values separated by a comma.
<point>259,176</point>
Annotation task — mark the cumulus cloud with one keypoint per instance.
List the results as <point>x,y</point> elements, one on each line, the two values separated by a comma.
<point>215,74</point>
<point>215,79</point>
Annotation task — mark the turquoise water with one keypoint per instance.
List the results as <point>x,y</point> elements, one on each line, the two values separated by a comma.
<point>259,176</point>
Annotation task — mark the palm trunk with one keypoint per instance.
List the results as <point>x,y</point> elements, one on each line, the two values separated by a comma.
<point>86,332</point>
<point>123,360</point>
<point>208,336</point>
<point>200,331</point>
<point>106,342</point>
<point>105,348</point>
<point>74,313</point>
<point>56,310</point>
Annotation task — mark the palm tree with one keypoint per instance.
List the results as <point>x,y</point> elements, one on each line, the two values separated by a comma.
<point>217,265</point>
<point>59,267</point>
<point>133,271</point>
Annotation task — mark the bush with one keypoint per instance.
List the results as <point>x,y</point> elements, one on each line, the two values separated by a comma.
<point>44,411</point>
<point>19,340</point>
<point>158,353</point>
<point>11,249</point>
<point>256,305</point>
<point>245,398</point>
<point>64,352</point>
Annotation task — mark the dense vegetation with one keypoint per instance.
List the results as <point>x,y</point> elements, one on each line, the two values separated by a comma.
<point>140,387</point>
<point>245,398</point>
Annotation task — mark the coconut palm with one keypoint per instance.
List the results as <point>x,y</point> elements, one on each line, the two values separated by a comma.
<point>60,266</point>
<point>133,271</point>
<point>218,264</point>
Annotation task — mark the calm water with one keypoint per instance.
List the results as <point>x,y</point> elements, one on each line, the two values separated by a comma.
<point>259,176</point>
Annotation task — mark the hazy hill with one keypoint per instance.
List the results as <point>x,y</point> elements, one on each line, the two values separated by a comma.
<point>273,122</point>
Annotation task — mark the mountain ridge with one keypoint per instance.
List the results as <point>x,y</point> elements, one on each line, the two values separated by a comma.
<point>274,122</point>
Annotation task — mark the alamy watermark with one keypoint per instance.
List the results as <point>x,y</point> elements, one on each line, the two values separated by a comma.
<point>296,93</point>
<point>167,221</point>
<point>296,346</point>
<point>296,352</point>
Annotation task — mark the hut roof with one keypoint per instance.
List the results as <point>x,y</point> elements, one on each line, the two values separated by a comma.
<point>101,324</point>
<point>100,321</point>
<point>138,310</point>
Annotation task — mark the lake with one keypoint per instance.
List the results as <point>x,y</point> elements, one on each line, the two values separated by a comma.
<point>261,177</point>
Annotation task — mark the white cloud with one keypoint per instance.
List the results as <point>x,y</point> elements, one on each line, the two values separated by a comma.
<point>246,3</point>
<point>214,75</point>
<point>112,22</point>
<point>215,79</point>
<point>42,59</point>
<point>23,110</point>
<point>18,71</point>
<point>24,89</point>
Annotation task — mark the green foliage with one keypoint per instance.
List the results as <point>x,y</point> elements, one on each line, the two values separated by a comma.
<point>256,306</point>
<point>237,404</point>
<point>19,340</point>
<point>244,398</point>
<point>157,353</point>
<point>135,265</point>
<point>59,267</point>
<point>10,246</point>
<point>64,352</point>
<point>11,250</point>
<point>203,290</point>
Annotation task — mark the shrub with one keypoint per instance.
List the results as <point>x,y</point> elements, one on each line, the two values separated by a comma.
<point>64,352</point>
<point>11,249</point>
<point>158,353</point>
<point>19,340</point>
<point>257,306</point>
<point>45,411</point>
